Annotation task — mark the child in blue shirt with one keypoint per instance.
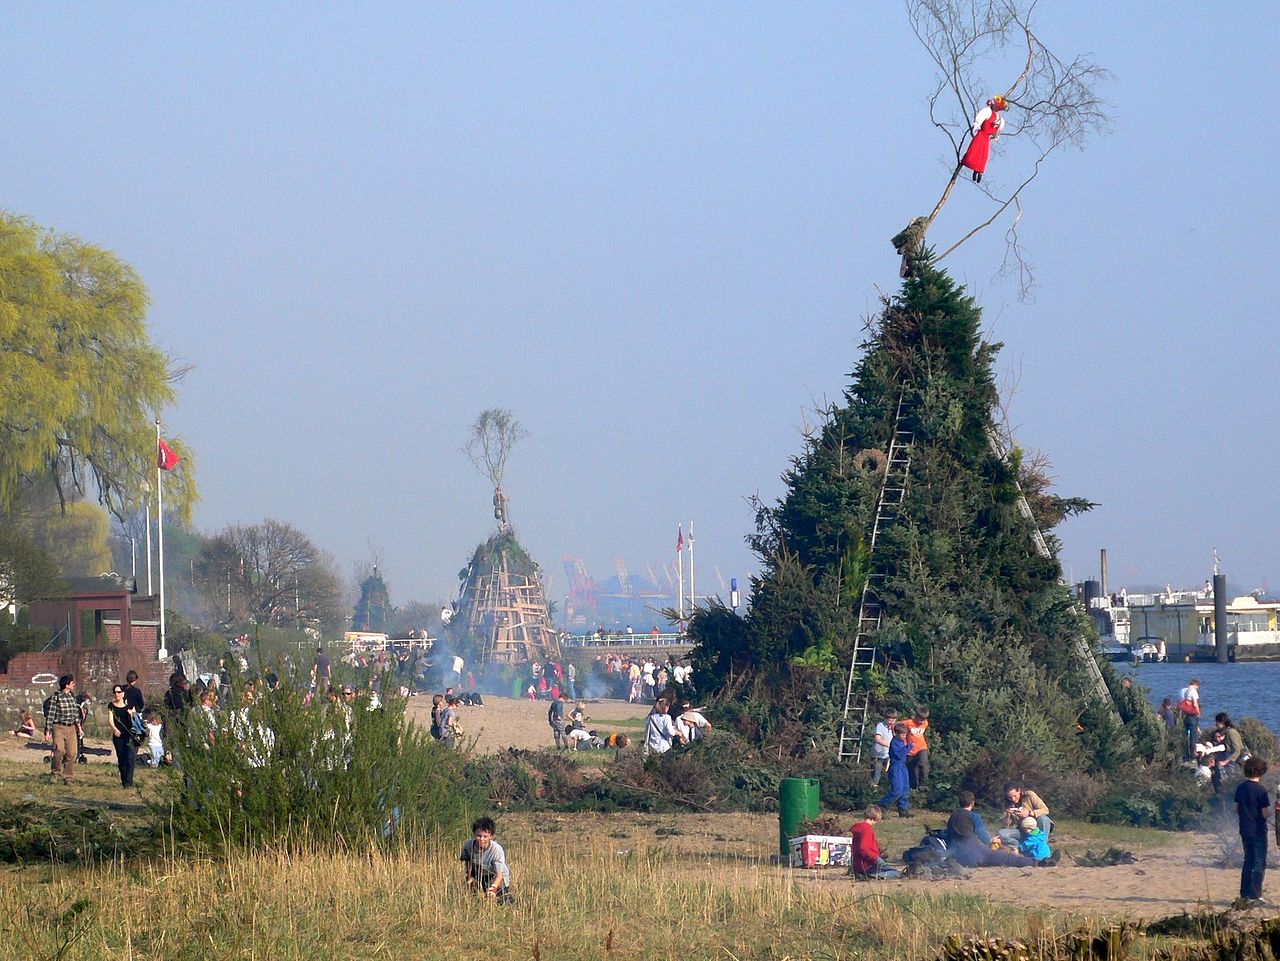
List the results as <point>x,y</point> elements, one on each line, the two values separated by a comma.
<point>1034,844</point>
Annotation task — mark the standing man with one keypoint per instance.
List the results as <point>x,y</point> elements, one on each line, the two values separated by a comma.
<point>1253,805</point>
<point>555,717</point>
<point>322,671</point>
<point>1189,708</point>
<point>62,726</point>
<point>880,746</point>
<point>571,676</point>
<point>918,752</point>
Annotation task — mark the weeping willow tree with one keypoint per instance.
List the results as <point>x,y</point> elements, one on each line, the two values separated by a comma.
<point>81,383</point>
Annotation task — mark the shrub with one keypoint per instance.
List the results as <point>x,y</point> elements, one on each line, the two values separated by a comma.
<point>1259,740</point>
<point>286,769</point>
<point>1064,792</point>
<point>1175,806</point>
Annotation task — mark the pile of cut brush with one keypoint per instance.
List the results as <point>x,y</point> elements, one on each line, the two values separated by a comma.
<point>31,832</point>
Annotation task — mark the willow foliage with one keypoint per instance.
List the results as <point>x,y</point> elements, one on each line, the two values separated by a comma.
<point>80,381</point>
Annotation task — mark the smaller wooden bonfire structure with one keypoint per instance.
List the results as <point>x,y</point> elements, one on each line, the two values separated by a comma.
<point>505,606</point>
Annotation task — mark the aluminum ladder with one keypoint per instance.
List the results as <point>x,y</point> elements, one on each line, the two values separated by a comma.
<point>893,494</point>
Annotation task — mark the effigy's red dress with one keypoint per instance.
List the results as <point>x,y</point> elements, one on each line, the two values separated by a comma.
<point>975,158</point>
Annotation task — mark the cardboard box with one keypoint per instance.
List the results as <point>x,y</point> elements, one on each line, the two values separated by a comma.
<point>820,851</point>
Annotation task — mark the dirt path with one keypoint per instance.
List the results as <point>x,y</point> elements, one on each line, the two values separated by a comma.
<point>506,722</point>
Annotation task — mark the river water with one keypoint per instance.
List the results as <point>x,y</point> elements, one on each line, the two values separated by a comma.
<point>1242,690</point>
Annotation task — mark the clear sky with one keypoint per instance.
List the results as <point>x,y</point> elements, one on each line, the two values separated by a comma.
<point>653,231</point>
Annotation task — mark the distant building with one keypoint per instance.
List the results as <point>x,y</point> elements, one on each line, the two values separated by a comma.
<point>1184,620</point>
<point>99,630</point>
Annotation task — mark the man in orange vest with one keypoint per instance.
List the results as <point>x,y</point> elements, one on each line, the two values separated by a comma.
<point>918,748</point>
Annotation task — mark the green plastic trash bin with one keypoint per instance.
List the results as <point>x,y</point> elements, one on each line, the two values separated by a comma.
<point>798,801</point>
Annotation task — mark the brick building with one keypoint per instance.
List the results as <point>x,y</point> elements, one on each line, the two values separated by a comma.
<point>100,630</point>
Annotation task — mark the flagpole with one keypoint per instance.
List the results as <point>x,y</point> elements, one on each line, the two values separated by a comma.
<point>163,652</point>
<point>680,580</point>
<point>150,592</point>
<point>693,594</point>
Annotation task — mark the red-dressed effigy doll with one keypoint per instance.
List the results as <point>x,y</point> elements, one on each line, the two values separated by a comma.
<point>986,128</point>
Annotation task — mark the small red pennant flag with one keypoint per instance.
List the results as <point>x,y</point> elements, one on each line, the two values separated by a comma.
<point>166,458</point>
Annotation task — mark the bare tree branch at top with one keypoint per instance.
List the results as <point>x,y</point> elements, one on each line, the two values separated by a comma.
<point>1052,102</point>
<point>493,435</point>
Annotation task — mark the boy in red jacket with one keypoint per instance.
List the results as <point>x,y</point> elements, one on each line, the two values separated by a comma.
<point>865,861</point>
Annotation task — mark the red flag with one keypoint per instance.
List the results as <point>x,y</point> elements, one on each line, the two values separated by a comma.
<point>166,459</point>
<point>680,540</point>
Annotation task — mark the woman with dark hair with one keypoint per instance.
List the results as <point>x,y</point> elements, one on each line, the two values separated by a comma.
<point>1226,734</point>
<point>120,714</point>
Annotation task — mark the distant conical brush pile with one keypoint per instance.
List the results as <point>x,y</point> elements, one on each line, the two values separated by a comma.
<point>502,615</point>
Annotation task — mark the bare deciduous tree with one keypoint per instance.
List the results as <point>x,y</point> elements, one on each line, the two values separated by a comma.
<point>493,435</point>
<point>1053,103</point>
<point>270,573</point>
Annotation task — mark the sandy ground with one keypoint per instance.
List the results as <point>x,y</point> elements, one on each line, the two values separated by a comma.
<point>508,722</point>
<point>1182,875</point>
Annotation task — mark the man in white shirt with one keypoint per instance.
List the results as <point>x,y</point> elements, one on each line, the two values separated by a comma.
<point>692,724</point>
<point>880,746</point>
<point>1189,708</point>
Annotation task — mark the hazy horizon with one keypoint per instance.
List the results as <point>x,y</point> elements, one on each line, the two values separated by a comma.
<point>653,233</point>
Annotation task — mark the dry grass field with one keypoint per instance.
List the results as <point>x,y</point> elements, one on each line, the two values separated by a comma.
<point>587,886</point>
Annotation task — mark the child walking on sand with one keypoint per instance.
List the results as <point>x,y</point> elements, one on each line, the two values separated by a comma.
<point>1253,805</point>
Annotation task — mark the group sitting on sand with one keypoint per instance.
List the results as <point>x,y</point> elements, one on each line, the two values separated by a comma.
<point>1023,842</point>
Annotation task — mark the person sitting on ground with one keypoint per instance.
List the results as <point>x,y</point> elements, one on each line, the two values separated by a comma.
<point>692,723</point>
<point>660,732</point>
<point>26,725</point>
<point>1023,803</point>
<point>970,844</point>
<point>865,862</point>
<point>1033,843</point>
<point>487,872</point>
<point>616,740</point>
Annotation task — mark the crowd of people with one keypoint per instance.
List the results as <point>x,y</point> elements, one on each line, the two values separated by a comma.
<point>640,680</point>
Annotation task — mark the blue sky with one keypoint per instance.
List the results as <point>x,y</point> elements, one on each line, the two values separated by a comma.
<point>653,231</point>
